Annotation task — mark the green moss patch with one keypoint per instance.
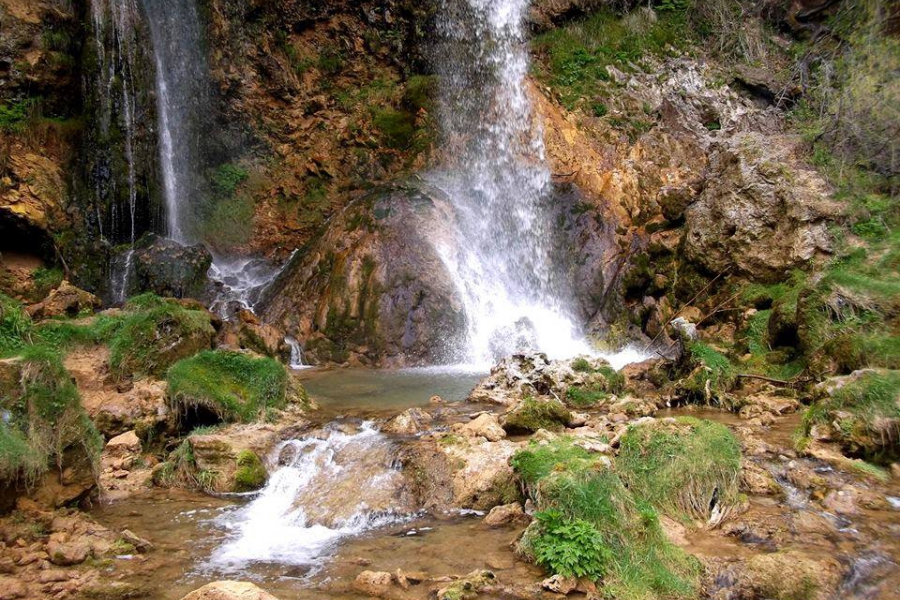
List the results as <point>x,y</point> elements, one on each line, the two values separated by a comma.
<point>154,333</point>
<point>251,474</point>
<point>537,461</point>
<point>232,386</point>
<point>689,469</point>
<point>532,414</point>
<point>600,381</point>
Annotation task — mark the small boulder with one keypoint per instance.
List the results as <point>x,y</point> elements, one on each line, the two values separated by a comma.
<point>505,514</point>
<point>12,588</point>
<point>66,300</point>
<point>168,268</point>
<point>123,445</point>
<point>373,583</point>
<point>485,425</point>
<point>66,554</point>
<point>409,422</point>
<point>229,590</point>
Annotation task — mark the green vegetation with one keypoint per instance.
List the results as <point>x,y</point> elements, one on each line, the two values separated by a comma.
<point>590,525</point>
<point>573,59</point>
<point>231,385</point>
<point>599,383</point>
<point>15,325</point>
<point>711,375</point>
<point>688,470</point>
<point>865,411</point>
<point>14,116</point>
<point>570,547</point>
<point>533,414</point>
<point>250,474</point>
<point>45,280</point>
<point>397,128</point>
<point>44,420</point>
<point>537,461</point>
<point>154,333</point>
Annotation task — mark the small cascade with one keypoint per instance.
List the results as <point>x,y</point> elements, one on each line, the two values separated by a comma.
<point>329,486</point>
<point>504,259</point>
<point>296,361</point>
<point>240,283</point>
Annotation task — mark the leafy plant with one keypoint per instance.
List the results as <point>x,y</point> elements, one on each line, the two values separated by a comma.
<point>569,547</point>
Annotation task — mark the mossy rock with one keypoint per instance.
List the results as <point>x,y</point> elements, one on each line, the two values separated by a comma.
<point>45,432</point>
<point>217,386</point>
<point>862,411</point>
<point>251,474</point>
<point>532,414</point>
<point>154,333</point>
<point>597,382</point>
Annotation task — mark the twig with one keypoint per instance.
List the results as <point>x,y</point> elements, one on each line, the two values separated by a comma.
<point>678,312</point>
<point>769,379</point>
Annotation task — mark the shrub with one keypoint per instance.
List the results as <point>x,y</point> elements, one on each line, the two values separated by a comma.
<point>233,386</point>
<point>688,470</point>
<point>15,325</point>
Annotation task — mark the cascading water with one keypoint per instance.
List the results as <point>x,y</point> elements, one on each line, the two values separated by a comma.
<point>330,486</point>
<point>503,259</point>
<point>181,97</point>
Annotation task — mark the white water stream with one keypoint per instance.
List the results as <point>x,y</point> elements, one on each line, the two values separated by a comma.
<point>331,486</point>
<point>502,257</point>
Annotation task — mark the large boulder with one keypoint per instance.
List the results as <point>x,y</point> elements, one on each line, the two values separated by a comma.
<point>373,289</point>
<point>167,268</point>
<point>761,213</point>
<point>66,300</point>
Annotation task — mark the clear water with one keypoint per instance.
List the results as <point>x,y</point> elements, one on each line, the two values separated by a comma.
<point>381,393</point>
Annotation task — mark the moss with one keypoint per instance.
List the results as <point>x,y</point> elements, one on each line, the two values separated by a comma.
<point>397,128</point>
<point>232,385</point>
<point>537,461</point>
<point>250,474</point>
<point>46,280</point>
<point>533,414</point>
<point>688,470</point>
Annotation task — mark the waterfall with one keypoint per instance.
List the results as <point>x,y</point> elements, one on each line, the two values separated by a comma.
<point>296,361</point>
<point>181,98</point>
<point>337,483</point>
<point>503,261</point>
<point>114,25</point>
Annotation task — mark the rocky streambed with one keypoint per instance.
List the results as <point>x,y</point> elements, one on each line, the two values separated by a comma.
<point>431,496</point>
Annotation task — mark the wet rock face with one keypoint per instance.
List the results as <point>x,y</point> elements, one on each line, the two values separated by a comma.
<point>373,289</point>
<point>760,213</point>
<point>167,268</point>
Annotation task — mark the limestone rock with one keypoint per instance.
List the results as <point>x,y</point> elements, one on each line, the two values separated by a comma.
<point>66,554</point>
<point>123,445</point>
<point>505,514</point>
<point>409,422</point>
<point>761,212</point>
<point>229,590</point>
<point>485,425</point>
<point>373,289</point>
<point>12,588</point>
<point>66,300</point>
<point>373,583</point>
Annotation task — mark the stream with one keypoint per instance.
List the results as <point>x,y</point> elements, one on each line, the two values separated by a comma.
<point>333,508</point>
